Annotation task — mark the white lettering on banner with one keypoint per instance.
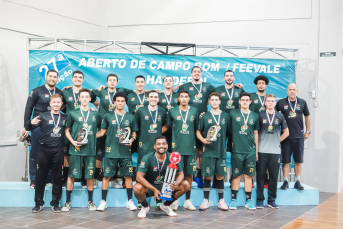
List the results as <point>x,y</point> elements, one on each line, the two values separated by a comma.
<point>257,68</point>
<point>151,79</point>
<point>134,64</point>
<point>102,63</point>
<point>213,67</point>
<point>65,74</point>
<point>141,64</point>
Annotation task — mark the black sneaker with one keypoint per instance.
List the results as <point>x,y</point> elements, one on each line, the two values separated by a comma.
<point>298,186</point>
<point>158,204</point>
<point>56,209</point>
<point>285,185</point>
<point>37,208</point>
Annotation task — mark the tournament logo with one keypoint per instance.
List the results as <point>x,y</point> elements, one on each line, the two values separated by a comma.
<point>255,101</point>
<point>192,118</point>
<point>277,121</point>
<point>146,117</point>
<point>46,96</point>
<point>80,119</point>
<point>70,98</point>
<point>264,120</point>
<point>51,122</point>
<point>209,121</point>
<point>99,152</point>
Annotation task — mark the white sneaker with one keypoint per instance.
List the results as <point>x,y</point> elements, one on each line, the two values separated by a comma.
<point>66,207</point>
<point>131,205</point>
<point>222,205</point>
<point>48,184</point>
<point>168,210</point>
<point>175,205</point>
<point>188,205</point>
<point>143,211</point>
<point>102,207</point>
<point>95,183</point>
<point>115,184</point>
<point>91,206</point>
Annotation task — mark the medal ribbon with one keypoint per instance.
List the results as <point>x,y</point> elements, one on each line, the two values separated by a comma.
<point>140,101</point>
<point>158,164</point>
<point>227,91</point>
<point>199,91</point>
<point>168,101</point>
<point>58,121</point>
<point>85,120</point>
<point>76,100</point>
<point>259,97</point>
<point>245,120</point>
<point>295,105</point>
<point>184,120</point>
<point>154,121</point>
<point>119,123</point>
<point>270,122</point>
<point>49,90</point>
<point>108,93</point>
<point>220,112</point>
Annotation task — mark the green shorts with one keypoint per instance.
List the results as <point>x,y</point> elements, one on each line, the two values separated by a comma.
<point>100,147</point>
<point>66,144</point>
<point>125,166</point>
<point>243,163</point>
<point>213,166</point>
<point>189,165</point>
<point>75,166</point>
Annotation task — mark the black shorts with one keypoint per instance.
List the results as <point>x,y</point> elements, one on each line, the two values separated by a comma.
<point>295,146</point>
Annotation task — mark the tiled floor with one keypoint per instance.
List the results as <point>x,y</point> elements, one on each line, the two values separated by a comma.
<point>123,218</point>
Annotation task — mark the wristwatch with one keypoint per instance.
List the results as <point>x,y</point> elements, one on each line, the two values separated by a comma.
<point>308,132</point>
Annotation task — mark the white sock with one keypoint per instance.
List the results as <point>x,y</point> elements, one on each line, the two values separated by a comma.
<point>285,179</point>
<point>298,178</point>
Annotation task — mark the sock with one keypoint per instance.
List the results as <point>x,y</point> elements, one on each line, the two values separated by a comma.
<point>248,195</point>
<point>68,195</point>
<point>298,178</point>
<point>198,172</point>
<point>145,204</point>
<point>285,179</point>
<point>129,193</point>
<point>90,195</point>
<point>169,202</point>
<point>220,188</point>
<point>104,194</point>
<point>158,201</point>
<point>65,174</point>
<point>188,195</point>
<point>207,185</point>
<point>97,173</point>
<point>266,178</point>
<point>234,194</point>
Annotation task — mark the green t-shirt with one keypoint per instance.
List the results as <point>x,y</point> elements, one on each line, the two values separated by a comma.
<point>216,149</point>
<point>104,107</point>
<point>75,123</point>
<point>256,105</point>
<point>147,131</point>
<point>150,167</point>
<point>69,100</point>
<point>133,102</point>
<point>195,101</point>
<point>225,105</point>
<point>163,100</point>
<point>243,141</point>
<point>183,139</point>
<point>112,147</point>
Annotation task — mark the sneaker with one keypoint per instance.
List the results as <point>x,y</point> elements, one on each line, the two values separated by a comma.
<point>298,186</point>
<point>66,207</point>
<point>285,185</point>
<point>249,204</point>
<point>143,211</point>
<point>102,207</point>
<point>95,183</point>
<point>188,205</point>
<point>37,208</point>
<point>199,181</point>
<point>233,204</point>
<point>139,206</point>
<point>205,205</point>
<point>131,205</point>
<point>259,205</point>
<point>56,209</point>
<point>32,185</point>
<point>266,185</point>
<point>91,206</point>
<point>48,184</point>
<point>175,205</point>
<point>158,204</point>
<point>222,205</point>
<point>115,184</point>
<point>272,205</point>
<point>168,210</point>
<point>84,184</point>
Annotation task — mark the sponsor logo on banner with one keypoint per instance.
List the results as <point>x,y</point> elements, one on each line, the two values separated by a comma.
<point>58,63</point>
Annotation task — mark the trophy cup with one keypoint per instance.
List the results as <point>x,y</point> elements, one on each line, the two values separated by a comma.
<point>169,177</point>
<point>82,136</point>
<point>124,136</point>
<point>212,133</point>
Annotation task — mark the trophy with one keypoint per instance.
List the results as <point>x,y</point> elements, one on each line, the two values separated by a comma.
<point>212,133</point>
<point>82,136</point>
<point>169,177</point>
<point>124,136</point>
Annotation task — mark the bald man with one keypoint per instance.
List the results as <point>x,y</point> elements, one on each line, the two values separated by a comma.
<point>293,109</point>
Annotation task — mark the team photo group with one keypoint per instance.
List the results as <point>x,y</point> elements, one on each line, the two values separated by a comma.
<point>181,135</point>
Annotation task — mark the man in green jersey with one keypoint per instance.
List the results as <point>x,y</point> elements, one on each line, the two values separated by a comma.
<point>244,128</point>
<point>72,102</point>
<point>183,120</point>
<point>150,177</point>
<point>114,123</point>
<point>83,118</point>
<point>214,153</point>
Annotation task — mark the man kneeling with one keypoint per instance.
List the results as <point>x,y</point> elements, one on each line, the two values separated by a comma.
<point>150,177</point>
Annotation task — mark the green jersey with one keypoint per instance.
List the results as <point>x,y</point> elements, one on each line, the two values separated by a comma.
<point>106,99</point>
<point>199,94</point>
<point>243,137</point>
<point>151,166</point>
<point>216,149</point>
<point>71,99</point>
<point>229,98</point>
<point>256,105</point>
<point>183,134</point>
<point>75,122</point>
<point>165,100</point>
<point>112,147</point>
<point>134,102</point>
<point>150,126</point>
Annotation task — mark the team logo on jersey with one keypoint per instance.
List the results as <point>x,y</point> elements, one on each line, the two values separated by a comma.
<point>106,96</point>
<point>255,101</point>
<point>133,99</point>
<point>70,98</point>
<point>264,120</point>
<point>223,121</point>
<point>31,93</point>
<point>207,170</point>
<point>163,100</point>
<point>99,152</point>
<point>93,118</point>
<point>285,107</point>
<point>204,89</point>
<point>80,119</point>
<point>75,172</point>
<point>175,100</point>
<point>155,168</point>
<point>159,179</point>
<point>51,121</point>
<point>223,94</point>
<point>127,122</point>
<point>159,118</point>
<point>192,118</point>
<point>236,170</point>
<point>142,165</point>
<point>238,118</point>
<point>178,117</point>
<point>114,121</point>
<point>277,121</point>
<point>278,161</point>
<point>146,117</point>
<point>251,122</point>
<point>209,121</point>
<point>298,107</point>
<point>191,88</point>
<point>107,170</point>
<point>46,95</point>
<point>236,94</point>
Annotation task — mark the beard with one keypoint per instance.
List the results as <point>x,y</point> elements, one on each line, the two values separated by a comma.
<point>196,80</point>
<point>229,83</point>
<point>261,90</point>
<point>50,85</point>
<point>159,152</point>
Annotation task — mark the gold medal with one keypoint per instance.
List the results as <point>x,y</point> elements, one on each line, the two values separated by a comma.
<point>218,127</point>
<point>230,102</point>
<point>294,114</point>
<point>154,125</point>
<point>169,106</point>
<point>141,105</point>
<point>110,106</point>
<point>85,125</point>
<point>200,95</point>
<point>76,105</point>
<point>270,127</point>
<point>262,108</point>
<point>245,126</point>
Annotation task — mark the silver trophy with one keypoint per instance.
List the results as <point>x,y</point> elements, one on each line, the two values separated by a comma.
<point>212,133</point>
<point>124,136</point>
<point>169,177</point>
<point>82,136</point>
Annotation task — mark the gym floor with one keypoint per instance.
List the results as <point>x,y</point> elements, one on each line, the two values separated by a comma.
<point>289,216</point>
